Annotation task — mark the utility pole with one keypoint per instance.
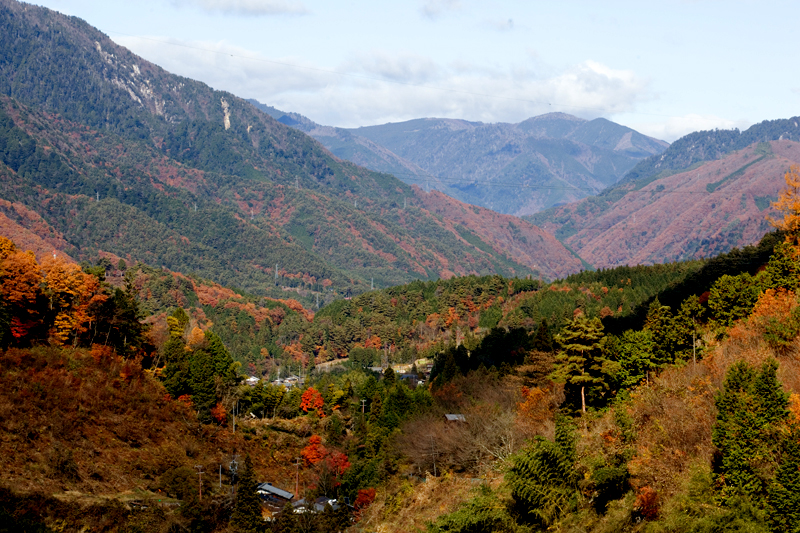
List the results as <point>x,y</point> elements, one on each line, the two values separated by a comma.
<point>297,478</point>
<point>200,475</point>
<point>433,454</point>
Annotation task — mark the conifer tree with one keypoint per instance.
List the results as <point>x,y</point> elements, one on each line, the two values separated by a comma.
<point>246,515</point>
<point>784,493</point>
<point>750,409</point>
<point>202,383</point>
<point>580,361</point>
<point>543,341</point>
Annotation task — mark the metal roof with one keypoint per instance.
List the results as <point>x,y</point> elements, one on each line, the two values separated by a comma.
<point>271,489</point>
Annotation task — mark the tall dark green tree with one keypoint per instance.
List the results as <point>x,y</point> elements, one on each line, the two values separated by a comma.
<point>580,362</point>
<point>202,383</point>
<point>246,515</point>
<point>751,410</point>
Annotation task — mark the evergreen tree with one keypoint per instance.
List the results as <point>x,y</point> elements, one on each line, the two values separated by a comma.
<point>388,377</point>
<point>580,361</point>
<point>224,366</point>
<point>542,479</point>
<point>784,493</point>
<point>286,521</point>
<point>543,341</point>
<point>202,383</point>
<point>750,410</point>
<point>732,298</point>
<point>246,515</point>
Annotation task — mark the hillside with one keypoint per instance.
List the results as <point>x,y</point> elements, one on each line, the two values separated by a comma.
<point>122,157</point>
<point>701,212</point>
<point>702,146</point>
<point>511,168</point>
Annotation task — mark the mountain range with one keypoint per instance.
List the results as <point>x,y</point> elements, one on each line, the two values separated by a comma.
<point>709,209</point>
<point>511,168</point>
<point>109,153</point>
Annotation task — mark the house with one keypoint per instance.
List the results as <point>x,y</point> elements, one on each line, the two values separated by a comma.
<point>316,506</point>
<point>272,496</point>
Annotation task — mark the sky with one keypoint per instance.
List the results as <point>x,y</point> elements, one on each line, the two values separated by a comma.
<point>664,68</point>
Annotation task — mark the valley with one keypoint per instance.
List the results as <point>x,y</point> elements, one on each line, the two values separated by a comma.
<point>216,316</point>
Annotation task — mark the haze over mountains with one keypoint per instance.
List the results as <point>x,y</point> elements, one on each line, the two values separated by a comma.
<point>511,168</point>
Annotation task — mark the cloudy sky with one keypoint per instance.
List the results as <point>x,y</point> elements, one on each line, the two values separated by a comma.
<point>662,67</point>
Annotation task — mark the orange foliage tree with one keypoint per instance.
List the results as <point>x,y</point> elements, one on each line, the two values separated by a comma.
<point>788,203</point>
<point>20,288</point>
<point>72,294</point>
<point>312,401</point>
<point>314,452</point>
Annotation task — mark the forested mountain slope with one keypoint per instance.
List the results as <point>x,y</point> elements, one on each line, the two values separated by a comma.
<point>118,155</point>
<point>700,212</point>
<point>511,168</point>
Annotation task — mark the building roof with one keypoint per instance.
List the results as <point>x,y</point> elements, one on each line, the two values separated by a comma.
<point>455,418</point>
<point>268,488</point>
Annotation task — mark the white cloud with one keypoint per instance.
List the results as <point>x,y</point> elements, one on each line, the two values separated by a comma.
<point>379,87</point>
<point>435,8</point>
<point>246,7</point>
<point>673,128</point>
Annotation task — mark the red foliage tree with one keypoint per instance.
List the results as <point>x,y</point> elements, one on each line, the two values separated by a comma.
<point>312,401</point>
<point>314,452</point>
<point>219,413</point>
<point>363,500</point>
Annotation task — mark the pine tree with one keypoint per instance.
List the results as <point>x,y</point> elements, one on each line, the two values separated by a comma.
<point>246,515</point>
<point>580,362</point>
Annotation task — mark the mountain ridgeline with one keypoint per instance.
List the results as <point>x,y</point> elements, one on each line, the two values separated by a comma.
<point>545,160</point>
<point>683,206</point>
<point>117,155</point>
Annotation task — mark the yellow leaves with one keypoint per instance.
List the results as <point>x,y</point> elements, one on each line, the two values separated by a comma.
<point>196,338</point>
<point>789,203</point>
<point>21,278</point>
<point>794,406</point>
<point>6,247</point>
<point>71,292</point>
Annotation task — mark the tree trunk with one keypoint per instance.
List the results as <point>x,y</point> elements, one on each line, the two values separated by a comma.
<point>583,399</point>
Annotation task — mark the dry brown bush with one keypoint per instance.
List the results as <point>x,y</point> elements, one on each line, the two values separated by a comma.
<point>495,425</point>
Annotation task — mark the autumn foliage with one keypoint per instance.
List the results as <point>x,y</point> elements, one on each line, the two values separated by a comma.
<point>314,452</point>
<point>312,401</point>
<point>789,203</point>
